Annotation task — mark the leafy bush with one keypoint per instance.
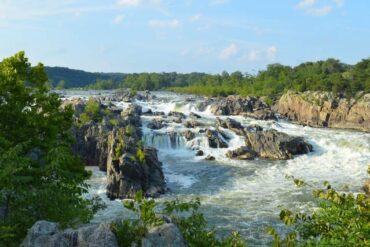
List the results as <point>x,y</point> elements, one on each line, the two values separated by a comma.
<point>193,227</point>
<point>342,219</point>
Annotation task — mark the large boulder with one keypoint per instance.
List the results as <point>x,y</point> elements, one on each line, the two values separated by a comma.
<point>166,235</point>
<point>272,144</point>
<point>128,171</point>
<point>48,234</point>
<point>156,124</point>
<point>242,153</point>
<point>321,109</point>
<point>189,135</point>
<point>237,105</point>
<point>215,139</point>
<point>91,144</point>
<point>230,124</point>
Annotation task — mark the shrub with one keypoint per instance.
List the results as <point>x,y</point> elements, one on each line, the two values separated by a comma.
<point>193,227</point>
<point>342,219</point>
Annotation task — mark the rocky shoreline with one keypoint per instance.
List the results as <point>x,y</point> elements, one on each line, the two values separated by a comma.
<point>322,109</point>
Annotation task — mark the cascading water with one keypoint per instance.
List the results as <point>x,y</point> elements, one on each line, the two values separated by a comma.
<point>245,195</point>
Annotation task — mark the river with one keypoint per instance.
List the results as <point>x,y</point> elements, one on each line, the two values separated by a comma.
<point>242,195</point>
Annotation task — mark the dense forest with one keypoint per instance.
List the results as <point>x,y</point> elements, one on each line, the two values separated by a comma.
<point>330,75</point>
<point>71,78</point>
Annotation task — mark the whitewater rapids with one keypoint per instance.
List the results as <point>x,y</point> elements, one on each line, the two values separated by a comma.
<point>243,195</point>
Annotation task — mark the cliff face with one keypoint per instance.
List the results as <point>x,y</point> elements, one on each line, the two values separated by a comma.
<point>321,109</point>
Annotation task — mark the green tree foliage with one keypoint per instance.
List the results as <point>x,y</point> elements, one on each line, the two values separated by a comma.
<point>193,226</point>
<point>39,176</point>
<point>329,75</point>
<point>342,219</point>
<point>91,112</point>
<point>77,78</point>
<point>103,85</point>
<point>61,85</point>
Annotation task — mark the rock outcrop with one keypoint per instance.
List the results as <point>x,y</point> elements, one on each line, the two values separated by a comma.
<point>236,105</point>
<point>48,234</point>
<point>91,144</point>
<point>164,235</point>
<point>114,144</point>
<point>231,124</point>
<point>320,109</point>
<point>132,168</point>
<point>156,124</point>
<point>242,153</point>
<point>272,144</point>
<point>215,139</point>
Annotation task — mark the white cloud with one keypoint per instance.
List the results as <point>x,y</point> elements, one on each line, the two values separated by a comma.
<point>195,18</point>
<point>218,2</point>
<point>163,23</point>
<point>118,19</point>
<point>322,11</point>
<point>318,7</point>
<point>304,4</point>
<point>271,53</point>
<point>229,51</point>
<point>136,3</point>
<point>253,55</point>
<point>339,3</point>
<point>29,9</point>
<point>129,3</point>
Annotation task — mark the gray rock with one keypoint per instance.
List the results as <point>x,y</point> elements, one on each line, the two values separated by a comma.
<point>272,144</point>
<point>155,124</point>
<point>47,234</point>
<point>209,158</point>
<point>166,235</point>
<point>189,135</point>
<point>242,153</point>
<point>215,139</point>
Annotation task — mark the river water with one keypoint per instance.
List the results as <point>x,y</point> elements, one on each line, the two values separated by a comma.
<point>242,195</point>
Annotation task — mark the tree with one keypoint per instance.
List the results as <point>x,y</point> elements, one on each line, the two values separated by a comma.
<point>39,176</point>
<point>61,85</point>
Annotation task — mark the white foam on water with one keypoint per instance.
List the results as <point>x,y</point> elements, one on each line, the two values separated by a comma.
<point>246,195</point>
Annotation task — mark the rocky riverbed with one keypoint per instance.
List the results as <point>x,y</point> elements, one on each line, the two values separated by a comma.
<point>233,153</point>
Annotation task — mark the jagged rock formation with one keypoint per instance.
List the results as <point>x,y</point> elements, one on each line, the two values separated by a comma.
<point>114,144</point>
<point>132,168</point>
<point>215,139</point>
<point>269,144</point>
<point>164,235</point>
<point>156,124</point>
<point>236,105</point>
<point>230,124</point>
<point>48,234</point>
<point>242,153</point>
<point>189,135</point>
<point>272,144</point>
<point>321,109</point>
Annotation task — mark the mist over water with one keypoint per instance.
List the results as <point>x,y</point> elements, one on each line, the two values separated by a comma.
<point>242,195</point>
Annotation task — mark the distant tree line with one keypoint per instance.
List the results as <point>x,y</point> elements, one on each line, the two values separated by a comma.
<point>329,75</point>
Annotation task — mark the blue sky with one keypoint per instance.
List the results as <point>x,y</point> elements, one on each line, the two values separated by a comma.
<point>184,36</point>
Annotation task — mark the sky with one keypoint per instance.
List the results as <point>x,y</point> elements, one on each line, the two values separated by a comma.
<point>184,35</point>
